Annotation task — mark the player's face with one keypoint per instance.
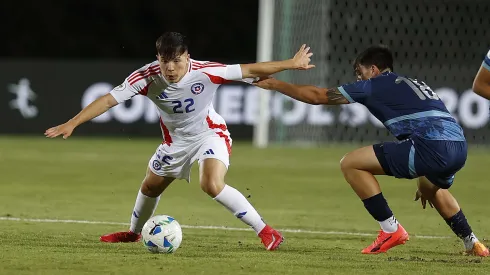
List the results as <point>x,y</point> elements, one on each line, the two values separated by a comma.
<point>174,69</point>
<point>366,72</point>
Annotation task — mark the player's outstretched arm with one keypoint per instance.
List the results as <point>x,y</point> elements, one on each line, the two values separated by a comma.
<point>481,84</point>
<point>96,108</point>
<point>300,61</point>
<point>305,93</point>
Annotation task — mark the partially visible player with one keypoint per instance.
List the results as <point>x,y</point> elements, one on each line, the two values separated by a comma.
<point>481,84</point>
<point>183,89</point>
<point>431,144</point>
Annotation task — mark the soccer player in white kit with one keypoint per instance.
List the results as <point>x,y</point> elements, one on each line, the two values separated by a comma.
<point>183,90</point>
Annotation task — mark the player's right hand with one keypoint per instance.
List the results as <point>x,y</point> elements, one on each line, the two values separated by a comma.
<point>64,129</point>
<point>418,195</point>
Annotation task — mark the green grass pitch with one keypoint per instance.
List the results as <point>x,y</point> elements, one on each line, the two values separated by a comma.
<point>88,179</point>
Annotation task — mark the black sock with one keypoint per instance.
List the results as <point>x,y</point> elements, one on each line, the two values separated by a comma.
<point>378,207</point>
<point>459,225</point>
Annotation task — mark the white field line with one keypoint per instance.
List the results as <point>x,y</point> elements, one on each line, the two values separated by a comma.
<point>287,230</point>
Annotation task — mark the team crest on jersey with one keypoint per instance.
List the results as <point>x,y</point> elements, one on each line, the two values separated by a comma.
<point>197,88</point>
<point>157,165</point>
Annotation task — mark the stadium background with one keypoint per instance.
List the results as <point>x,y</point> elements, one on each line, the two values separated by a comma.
<point>71,53</point>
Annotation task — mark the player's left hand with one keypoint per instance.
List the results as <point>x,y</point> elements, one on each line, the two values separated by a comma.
<point>418,195</point>
<point>265,82</point>
<point>301,60</point>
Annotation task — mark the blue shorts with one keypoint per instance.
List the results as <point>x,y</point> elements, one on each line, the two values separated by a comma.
<point>437,160</point>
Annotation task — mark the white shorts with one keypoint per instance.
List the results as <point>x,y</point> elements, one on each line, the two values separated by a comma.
<point>175,160</point>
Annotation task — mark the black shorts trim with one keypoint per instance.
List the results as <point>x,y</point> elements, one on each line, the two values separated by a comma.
<point>379,152</point>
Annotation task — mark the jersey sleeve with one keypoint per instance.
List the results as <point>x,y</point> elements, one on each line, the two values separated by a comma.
<point>220,73</point>
<point>124,92</point>
<point>357,91</point>
<point>486,61</point>
<point>136,83</point>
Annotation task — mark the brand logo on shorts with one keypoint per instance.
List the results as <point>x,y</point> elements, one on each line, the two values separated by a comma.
<point>157,165</point>
<point>209,152</point>
<point>197,88</point>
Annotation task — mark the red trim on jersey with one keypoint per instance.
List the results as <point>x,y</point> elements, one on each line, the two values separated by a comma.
<point>137,73</point>
<point>197,63</point>
<point>133,75</point>
<point>208,64</point>
<point>227,141</point>
<point>213,125</point>
<point>145,89</point>
<point>198,67</point>
<point>201,65</point>
<point>217,79</point>
<point>147,74</point>
<point>167,139</point>
<point>143,77</point>
<point>139,77</point>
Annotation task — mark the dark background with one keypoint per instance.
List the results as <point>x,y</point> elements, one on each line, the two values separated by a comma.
<point>217,30</point>
<point>64,47</point>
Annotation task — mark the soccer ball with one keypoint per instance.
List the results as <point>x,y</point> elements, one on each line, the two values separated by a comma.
<point>162,234</point>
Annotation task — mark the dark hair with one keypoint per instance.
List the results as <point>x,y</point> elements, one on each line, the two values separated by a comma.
<point>171,44</point>
<point>380,56</point>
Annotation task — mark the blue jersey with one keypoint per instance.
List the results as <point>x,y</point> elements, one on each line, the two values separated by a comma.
<point>486,61</point>
<point>405,106</point>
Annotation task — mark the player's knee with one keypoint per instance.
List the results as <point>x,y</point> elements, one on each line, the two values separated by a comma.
<point>211,184</point>
<point>345,163</point>
<point>151,190</point>
<point>153,186</point>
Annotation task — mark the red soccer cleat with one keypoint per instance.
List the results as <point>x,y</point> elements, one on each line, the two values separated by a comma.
<point>385,241</point>
<point>270,238</point>
<point>121,237</point>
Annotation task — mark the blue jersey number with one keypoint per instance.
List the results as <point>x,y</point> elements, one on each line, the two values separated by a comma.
<point>188,106</point>
<point>422,90</point>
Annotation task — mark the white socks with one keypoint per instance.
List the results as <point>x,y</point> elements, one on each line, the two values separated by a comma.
<point>234,201</point>
<point>143,210</point>
<point>469,241</point>
<point>389,225</point>
<point>229,197</point>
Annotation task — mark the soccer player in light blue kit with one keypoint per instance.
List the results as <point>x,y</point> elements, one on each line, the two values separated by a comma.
<point>431,145</point>
<point>481,84</point>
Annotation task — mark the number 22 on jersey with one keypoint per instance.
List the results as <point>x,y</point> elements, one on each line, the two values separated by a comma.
<point>185,106</point>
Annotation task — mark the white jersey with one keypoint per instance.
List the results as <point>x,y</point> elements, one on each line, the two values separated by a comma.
<point>185,108</point>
